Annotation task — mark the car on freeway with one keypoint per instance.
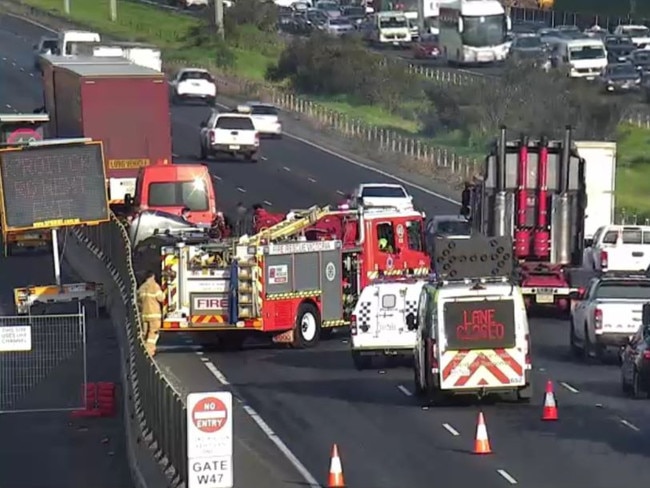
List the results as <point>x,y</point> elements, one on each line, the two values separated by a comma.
<point>640,34</point>
<point>635,362</point>
<point>230,133</point>
<point>46,45</point>
<point>620,78</point>
<point>607,313</point>
<point>528,48</point>
<point>330,9</point>
<point>339,26</point>
<point>194,84</point>
<point>266,118</point>
<point>354,13</point>
<point>641,60</point>
<point>427,47</point>
<point>618,48</point>
<point>317,18</point>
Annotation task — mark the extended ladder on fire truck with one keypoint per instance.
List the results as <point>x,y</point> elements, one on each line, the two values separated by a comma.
<point>297,222</point>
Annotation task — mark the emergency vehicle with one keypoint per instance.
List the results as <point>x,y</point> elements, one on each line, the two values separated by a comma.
<point>378,323</point>
<point>291,280</point>
<point>471,325</point>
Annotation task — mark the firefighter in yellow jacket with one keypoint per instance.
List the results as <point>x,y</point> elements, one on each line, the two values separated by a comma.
<point>151,297</point>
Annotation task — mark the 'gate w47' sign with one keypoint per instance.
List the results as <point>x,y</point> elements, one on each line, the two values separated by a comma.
<point>210,440</point>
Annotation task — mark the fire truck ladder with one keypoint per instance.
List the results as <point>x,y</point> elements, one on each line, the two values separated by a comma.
<point>290,227</point>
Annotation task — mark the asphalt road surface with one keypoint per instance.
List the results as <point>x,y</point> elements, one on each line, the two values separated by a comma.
<point>311,399</point>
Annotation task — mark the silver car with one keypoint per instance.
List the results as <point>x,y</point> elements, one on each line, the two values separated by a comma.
<point>338,27</point>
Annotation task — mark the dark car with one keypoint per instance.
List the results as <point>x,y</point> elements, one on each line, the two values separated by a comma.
<point>622,77</point>
<point>641,60</point>
<point>355,14</point>
<point>529,47</point>
<point>635,364</point>
<point>618,48</point>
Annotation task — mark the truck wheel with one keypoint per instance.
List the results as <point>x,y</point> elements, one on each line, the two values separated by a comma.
<point>417,387</point>
<point>204,152</point>
<point>307,329</point>
<point>360,361</point>
<point>638,391</point>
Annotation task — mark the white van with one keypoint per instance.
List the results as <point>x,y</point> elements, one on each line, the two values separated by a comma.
<point>385,29</point>
<point>69,39</point>
<point>585,58</point>
<point>378,323</point>
<point>472,339</point>
<point>619,248</point>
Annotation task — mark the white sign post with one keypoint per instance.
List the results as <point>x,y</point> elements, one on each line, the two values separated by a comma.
<point>210,440</point>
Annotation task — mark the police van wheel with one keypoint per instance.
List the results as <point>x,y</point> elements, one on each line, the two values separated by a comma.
<point>417,387</point>
<point>307,329</point>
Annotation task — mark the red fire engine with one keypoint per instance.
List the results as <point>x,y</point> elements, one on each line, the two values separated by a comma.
<point>292,280</point>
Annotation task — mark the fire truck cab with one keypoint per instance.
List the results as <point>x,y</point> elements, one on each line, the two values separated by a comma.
<point>173,188</point>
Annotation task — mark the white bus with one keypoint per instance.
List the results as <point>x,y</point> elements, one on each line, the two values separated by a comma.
<point>473,31</point>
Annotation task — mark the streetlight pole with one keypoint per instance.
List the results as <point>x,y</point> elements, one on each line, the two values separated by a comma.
<point>218,17</point>
<point>113,10</point>
<point>66,6</point>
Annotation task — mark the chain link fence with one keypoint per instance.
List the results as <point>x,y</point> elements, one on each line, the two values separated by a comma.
<point>43,362</point>
<point>157,406</point>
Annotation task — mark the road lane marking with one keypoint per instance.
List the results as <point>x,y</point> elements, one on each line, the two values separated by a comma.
<point>507,476</point>
<point>285,168</point>
<point>268,432</point>
<point>240,189</point>
<point>630,425</point>
<point>218,178</point>
<point>339,192</point>
<point>404,390</point>
<point>311,180</point>
<point>264,158</point>
<point>174,155</point>
<point>267,203</point>
<point>451,430</point>
<point>569,387</point>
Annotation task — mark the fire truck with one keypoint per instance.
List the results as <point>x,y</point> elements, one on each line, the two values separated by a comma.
<point>293,280</point>
<point>534,191</point>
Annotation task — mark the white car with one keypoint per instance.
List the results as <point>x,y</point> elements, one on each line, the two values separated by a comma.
<point>194,84</point>
<point>378,325</point>
<point>230,133</point>
<point>266,119</point>
<point>607,314</point>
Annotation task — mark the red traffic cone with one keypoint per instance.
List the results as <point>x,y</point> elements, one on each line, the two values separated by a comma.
<point>550,406</point>
<point>335,478</point>
<point>481,443</point>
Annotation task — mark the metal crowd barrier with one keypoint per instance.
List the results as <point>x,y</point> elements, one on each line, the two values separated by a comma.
<point>157,406</point>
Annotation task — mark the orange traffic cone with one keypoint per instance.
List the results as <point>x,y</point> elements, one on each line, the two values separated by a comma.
<point>482,443</point>
<point>550,406</point>
<point>335,478</point>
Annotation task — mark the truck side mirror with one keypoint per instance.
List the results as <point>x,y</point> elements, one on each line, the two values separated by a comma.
<point>411,321</point>
<point>645,315</point>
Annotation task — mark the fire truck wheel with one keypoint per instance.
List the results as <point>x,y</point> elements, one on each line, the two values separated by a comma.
<point>307,330</point>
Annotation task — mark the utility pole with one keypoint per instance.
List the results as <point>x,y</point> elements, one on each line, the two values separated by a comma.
<point>218,17</point>
<point>113,10</point>
<point>66,6</point>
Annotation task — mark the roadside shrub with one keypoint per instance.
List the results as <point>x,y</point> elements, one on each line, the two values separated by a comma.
<point>203,38</point>
<point>525,99</point>
<point>263,15</point>
<point>321,65</point>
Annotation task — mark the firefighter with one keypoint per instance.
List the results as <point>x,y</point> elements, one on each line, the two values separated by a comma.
<point>151,297</point>
<point>384,246</point>
<point>242,220</point>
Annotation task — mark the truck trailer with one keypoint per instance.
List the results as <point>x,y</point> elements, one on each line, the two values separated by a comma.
<point>534,191</point>
<point>124,105</point>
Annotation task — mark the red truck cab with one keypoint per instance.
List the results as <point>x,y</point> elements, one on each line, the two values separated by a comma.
<point>171,188</point>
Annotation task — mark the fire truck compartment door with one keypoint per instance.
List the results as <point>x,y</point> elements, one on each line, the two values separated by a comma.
<point>302,272</point>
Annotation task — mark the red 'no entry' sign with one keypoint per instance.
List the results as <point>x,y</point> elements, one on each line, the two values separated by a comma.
<point>209,415</point>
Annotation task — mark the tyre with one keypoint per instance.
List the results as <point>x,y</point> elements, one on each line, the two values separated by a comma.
<point>251,158</point>
<point>306,332</point>
<point>587,346</point>
<point>626,388</point>
<point>417,387</point>
<point>574,348</point>
<point>203,153</point>
<point>525,394</point>
<point>361,361</point>
<point>637,389</point>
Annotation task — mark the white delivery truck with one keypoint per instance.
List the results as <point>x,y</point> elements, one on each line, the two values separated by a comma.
<point>600,182</point>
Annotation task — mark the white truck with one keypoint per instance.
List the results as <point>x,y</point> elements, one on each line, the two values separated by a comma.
<point>230,133</point>
<point>378,323</point>
<point>619,248</point>
<point>584,58</point>
<point>640,34</point>
<point>600,182</point>
<point>607,313</point>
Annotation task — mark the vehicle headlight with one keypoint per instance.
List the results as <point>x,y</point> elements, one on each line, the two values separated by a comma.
<point>637,81</point>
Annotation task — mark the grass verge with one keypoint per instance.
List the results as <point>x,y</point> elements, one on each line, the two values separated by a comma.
<point>633,170</point>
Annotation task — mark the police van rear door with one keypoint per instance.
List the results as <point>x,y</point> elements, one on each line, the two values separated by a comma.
<point>394,302</point>
<point>479,349</point>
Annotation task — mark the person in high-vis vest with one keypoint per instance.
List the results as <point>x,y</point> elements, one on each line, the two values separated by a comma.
<point>151,296</point>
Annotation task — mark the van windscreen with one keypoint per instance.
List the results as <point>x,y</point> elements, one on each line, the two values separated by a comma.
<point>485,324</point>
<point>190,194</point>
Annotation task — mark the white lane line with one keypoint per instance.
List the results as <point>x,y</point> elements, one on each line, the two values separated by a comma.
<point>264,158</point>
<point>31,74</point>
<point>174,155</point>
<point>3,58</point>
<point>218,178</point>
<point>569,387</point>
<point>339,192</point>
<point>13,64</point>
<point>285,168</point>
<point>22,69</point>
<point>267,203</point>
<point>7,105</point>
<point>630,425</point>
<point>404,390</point>
<point>507,476</point>
<point>268,432</point>
<point>311,180</point>
<point>240,189</point>
<point>451,430</point>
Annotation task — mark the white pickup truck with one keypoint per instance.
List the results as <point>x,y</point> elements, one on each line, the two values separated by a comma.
<point>607,313</point>
<point>619,248</point>
<point>230,133</point>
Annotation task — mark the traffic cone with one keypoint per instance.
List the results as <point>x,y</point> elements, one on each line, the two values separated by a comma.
<point>335,478</point>
<point>550,406</point>
<point>482,443</point>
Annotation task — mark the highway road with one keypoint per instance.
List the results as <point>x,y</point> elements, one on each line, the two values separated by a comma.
<point>310,399</point>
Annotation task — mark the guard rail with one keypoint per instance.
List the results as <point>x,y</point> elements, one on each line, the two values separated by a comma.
<point>156,405</point>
